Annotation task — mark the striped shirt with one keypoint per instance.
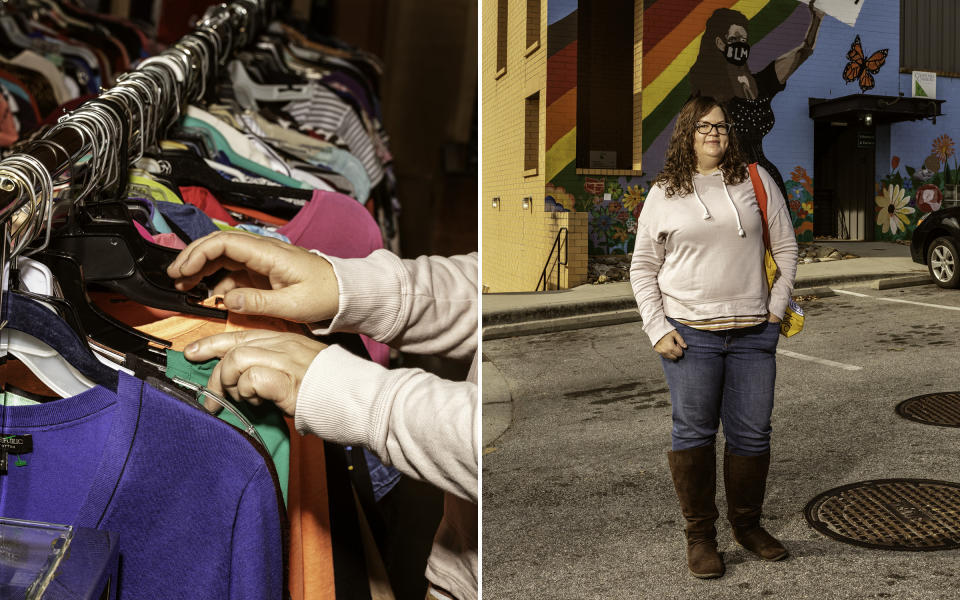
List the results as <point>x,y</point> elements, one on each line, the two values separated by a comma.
<point>326,113</point>
<point>721,323</point>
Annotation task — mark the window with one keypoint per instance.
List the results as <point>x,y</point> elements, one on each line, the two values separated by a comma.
<point>928,34</point>
<point>608,84</point>
<point>501,37</point>
<point>531,135</point>
<point>533,25</point>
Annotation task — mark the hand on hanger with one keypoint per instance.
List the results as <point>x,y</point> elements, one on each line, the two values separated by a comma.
<point>267,276</point>
<point>256,365</point>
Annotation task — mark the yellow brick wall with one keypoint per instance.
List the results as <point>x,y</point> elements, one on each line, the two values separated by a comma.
<point>515,242</point>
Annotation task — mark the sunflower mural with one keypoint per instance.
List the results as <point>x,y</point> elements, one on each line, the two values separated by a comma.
<point>903,198</point>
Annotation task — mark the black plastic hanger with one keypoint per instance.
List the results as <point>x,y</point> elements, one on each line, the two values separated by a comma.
<point>185,168</point>
<point>87,319</point>
<point>112,253</point>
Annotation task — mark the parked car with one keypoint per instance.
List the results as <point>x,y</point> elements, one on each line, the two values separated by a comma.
<point>935,243</point>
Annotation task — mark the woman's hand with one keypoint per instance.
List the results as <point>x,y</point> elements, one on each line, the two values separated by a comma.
<point>670,346</point>
<point>268,276</point>
<point>773,318</point>
<point>257,365</point>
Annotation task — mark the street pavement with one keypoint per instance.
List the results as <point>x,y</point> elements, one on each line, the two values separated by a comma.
<point>577,500</point>
<point>879,265</point>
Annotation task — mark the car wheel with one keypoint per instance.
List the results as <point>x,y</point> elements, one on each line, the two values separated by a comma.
<point>942,260</point>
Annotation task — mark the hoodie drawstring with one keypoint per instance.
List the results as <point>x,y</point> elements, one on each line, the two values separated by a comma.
<point>736,213</point>
<point>706,213</point>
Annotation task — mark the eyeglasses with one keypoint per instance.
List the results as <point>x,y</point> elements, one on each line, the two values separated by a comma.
<point>722,128</point>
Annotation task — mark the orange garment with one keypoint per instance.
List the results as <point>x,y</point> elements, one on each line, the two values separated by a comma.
<point>16,373</point>
<point>310,568</point>
<point>256,214</point>
<point>311,549</point>
<point>126,310</point>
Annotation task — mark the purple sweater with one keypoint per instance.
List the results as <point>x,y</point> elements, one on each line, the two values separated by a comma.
<point>193,503</point>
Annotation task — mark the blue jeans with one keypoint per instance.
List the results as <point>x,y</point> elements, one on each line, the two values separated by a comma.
<point>724,376</point>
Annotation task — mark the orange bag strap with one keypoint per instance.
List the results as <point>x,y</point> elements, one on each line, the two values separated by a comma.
<point>761,193</point>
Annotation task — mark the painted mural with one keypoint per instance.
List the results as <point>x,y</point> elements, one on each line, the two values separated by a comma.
<point>721,71</point>
<point>861,69</point>
<point>903,197</point>
<point>689,47</point>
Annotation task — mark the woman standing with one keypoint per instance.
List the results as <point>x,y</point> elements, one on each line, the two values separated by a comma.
<point>721,71</point>
<point>698,277</point>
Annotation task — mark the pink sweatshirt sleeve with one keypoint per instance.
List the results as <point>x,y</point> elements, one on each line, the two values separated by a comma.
<point>423,425</point>
<point>648,255</point>
<point>422,306</point>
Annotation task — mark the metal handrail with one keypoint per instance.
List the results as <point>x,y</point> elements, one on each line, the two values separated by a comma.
<point>557,244</point>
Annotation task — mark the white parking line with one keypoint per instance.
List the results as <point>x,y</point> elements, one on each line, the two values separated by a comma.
<point>822,361</point>
<point>897,300</point>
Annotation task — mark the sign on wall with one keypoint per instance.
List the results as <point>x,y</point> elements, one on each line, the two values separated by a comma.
<point>846,11</point>
<point>924,84</point>
<point>603,159</point>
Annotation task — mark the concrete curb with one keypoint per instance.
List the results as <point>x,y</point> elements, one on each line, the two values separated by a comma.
<point>552,325</point>
<point>558,310</point>
<point>898,282</point>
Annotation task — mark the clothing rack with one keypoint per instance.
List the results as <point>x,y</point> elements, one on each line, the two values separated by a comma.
<point>140,107</point>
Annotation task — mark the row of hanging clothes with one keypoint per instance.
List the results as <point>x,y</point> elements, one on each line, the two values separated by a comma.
<point>55,54</point>
<point>243,124</point>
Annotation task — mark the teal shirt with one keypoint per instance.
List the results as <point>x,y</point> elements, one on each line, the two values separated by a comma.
<point>267,419</point>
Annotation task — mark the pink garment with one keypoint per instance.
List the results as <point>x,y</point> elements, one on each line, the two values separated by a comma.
<point>8,126</point>
<point>338,225</point>
<point>143,231</point>
<point>170,240</point>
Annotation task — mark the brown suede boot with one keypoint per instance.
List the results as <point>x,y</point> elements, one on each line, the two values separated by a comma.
<point>745,478</point>
<point>695,479</point>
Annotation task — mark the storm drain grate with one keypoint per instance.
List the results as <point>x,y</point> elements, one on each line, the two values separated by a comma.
<point>890,514</point>
<point>942,408</point>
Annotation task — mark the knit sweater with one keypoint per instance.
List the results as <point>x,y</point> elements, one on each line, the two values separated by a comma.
<point>700,255</point>
<point>421,424</point>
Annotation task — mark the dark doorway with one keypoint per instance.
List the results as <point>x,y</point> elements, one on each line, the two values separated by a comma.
<point>843,179</point>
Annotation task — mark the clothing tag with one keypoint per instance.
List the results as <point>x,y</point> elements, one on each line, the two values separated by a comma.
<point>16,444</point>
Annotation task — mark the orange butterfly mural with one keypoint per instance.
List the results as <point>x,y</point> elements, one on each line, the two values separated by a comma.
<point>862,68</point>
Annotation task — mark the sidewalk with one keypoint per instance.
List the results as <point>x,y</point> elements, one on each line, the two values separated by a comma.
<point>881,265</point>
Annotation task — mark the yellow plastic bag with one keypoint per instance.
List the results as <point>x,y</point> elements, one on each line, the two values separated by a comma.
<point>792,322</point>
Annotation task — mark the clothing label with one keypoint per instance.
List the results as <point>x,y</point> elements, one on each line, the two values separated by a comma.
<point>16,444</point>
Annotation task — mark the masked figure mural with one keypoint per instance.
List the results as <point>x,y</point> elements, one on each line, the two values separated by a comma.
<point>721,71</point>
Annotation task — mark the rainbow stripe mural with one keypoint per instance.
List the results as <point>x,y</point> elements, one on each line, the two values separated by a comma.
<point>672,31</point>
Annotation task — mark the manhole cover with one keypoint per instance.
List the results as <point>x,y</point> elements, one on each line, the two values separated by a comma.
<point>942,408</point>
<point>890,514</point>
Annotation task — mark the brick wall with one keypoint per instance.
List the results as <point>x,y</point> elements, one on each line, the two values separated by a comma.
<point>516,242</point>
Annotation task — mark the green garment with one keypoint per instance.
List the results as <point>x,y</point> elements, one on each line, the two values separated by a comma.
<point>266,418</point>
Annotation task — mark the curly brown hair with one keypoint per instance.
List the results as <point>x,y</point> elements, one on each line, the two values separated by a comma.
<point>681,162</point>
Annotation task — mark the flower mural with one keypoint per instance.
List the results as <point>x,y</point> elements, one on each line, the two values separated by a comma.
<point>800,200</point>
<point>561,196</point>
<point>929,198</point>
<point>613,205</point>
<point>893,213</point>
<point>924,189</point>
<point>633,199</point>
<point>942,148</point>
